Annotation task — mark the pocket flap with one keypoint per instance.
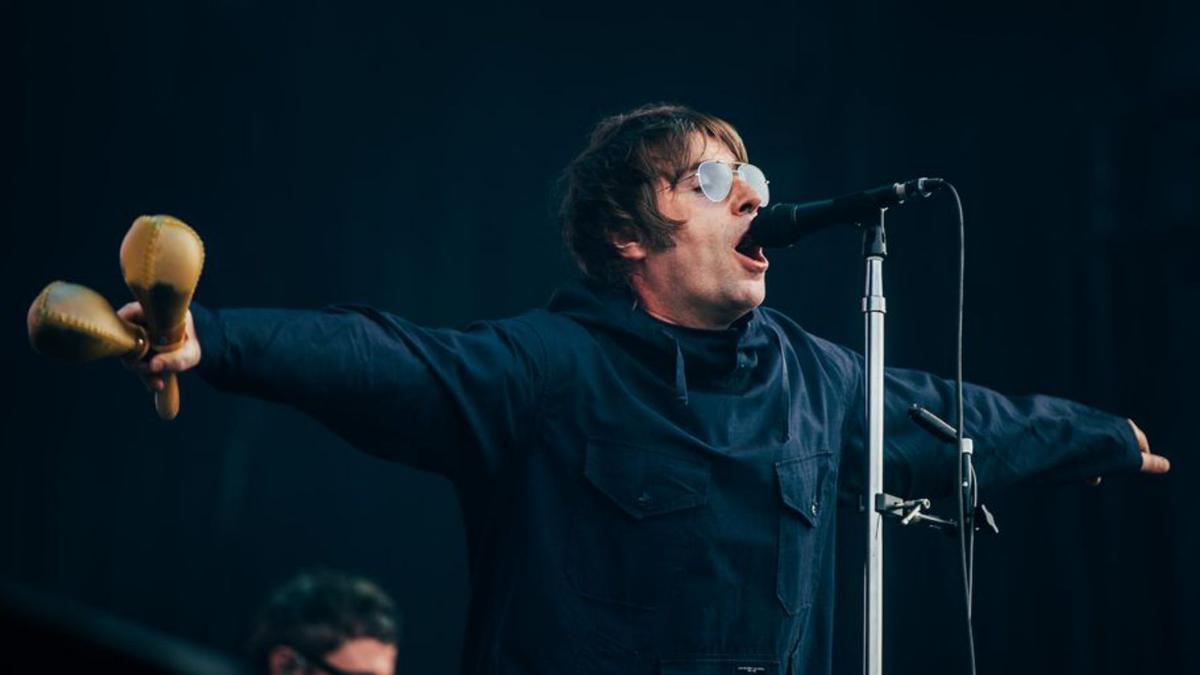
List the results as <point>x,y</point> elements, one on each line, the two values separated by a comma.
<point>800,483</point>
<point>646,482</point>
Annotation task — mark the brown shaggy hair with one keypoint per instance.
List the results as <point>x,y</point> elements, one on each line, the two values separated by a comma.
<point>611,186</point>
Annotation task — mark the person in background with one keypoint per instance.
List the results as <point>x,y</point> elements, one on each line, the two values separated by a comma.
<point>326,623</point>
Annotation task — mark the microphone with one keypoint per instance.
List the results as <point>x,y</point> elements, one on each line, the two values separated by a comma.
<point>781,225</point>
<point>933,424</point>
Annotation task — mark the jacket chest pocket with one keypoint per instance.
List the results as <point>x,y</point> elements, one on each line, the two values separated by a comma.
<point>635,522</point>
<point>806,486</point>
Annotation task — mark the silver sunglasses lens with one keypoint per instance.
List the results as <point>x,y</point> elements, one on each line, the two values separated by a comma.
<point>716,180</point>
<point>755,179</point>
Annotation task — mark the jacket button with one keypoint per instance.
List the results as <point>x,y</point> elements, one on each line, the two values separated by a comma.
<point>644,500</point>
<point>813,508</point>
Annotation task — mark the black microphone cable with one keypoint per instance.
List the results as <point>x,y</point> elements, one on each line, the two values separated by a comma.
<point>966,488</point>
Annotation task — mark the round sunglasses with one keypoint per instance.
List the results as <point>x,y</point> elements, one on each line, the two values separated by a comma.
<point>716,179</point>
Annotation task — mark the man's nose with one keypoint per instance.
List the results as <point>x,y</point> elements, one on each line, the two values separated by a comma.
<point>743,198</point>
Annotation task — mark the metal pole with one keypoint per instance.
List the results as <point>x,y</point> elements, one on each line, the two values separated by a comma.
<point>874,308</point>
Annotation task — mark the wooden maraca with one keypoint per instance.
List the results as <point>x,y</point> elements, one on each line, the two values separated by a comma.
<point>161,259</point>
<point>76,324</point>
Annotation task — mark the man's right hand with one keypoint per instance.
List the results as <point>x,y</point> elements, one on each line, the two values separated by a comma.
<point>150,370</point>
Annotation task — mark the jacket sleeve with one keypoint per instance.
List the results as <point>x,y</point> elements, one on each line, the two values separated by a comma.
<point>436,399</point>
<point>1016,439</point>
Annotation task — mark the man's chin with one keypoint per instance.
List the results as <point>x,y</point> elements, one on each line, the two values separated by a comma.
<point>746,298</point>
<point>754,293</point>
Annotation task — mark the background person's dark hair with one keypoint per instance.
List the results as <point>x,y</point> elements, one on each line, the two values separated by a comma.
<point>315,612</point>
<point>610,186</point>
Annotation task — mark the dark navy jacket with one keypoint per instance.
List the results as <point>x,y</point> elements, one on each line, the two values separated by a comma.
<point>638,497</point>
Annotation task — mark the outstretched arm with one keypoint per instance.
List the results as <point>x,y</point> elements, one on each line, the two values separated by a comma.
<point>436,399</point>
<point>1017,439</point>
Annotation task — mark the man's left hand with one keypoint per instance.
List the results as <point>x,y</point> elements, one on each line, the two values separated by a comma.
<point>1151,463</point>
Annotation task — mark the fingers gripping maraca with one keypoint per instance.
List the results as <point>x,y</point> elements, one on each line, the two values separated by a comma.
<point>151,369</point>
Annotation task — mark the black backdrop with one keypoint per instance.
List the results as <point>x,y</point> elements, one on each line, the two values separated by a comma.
<point>406,157</point>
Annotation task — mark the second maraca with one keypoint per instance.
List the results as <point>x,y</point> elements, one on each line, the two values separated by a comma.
<point>161,259</point>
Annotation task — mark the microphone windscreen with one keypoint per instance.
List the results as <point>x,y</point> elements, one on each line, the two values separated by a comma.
<point>774,226</point>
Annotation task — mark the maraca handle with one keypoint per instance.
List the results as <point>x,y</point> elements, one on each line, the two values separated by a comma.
<point>166,402</point>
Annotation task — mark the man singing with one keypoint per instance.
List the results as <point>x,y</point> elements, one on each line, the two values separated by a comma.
<point>648,467</point>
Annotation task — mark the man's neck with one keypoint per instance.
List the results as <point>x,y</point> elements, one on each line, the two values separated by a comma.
<point>676,314</point>
<point>686,323</point>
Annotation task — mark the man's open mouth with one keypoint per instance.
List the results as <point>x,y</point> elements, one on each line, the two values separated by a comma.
<point>747,248</point>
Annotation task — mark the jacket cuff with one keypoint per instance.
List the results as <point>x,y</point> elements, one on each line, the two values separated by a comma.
<point>210,332</point>
<point>1133,454</point>
<point>1121,453</point>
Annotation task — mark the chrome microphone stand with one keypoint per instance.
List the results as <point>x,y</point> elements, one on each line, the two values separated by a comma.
<point>874,307</point>
<point>879,504</point>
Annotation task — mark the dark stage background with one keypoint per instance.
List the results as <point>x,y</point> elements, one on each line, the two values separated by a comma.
<point>406,157</point>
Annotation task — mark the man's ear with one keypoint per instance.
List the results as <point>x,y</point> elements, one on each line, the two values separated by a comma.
<point>628,247</point>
